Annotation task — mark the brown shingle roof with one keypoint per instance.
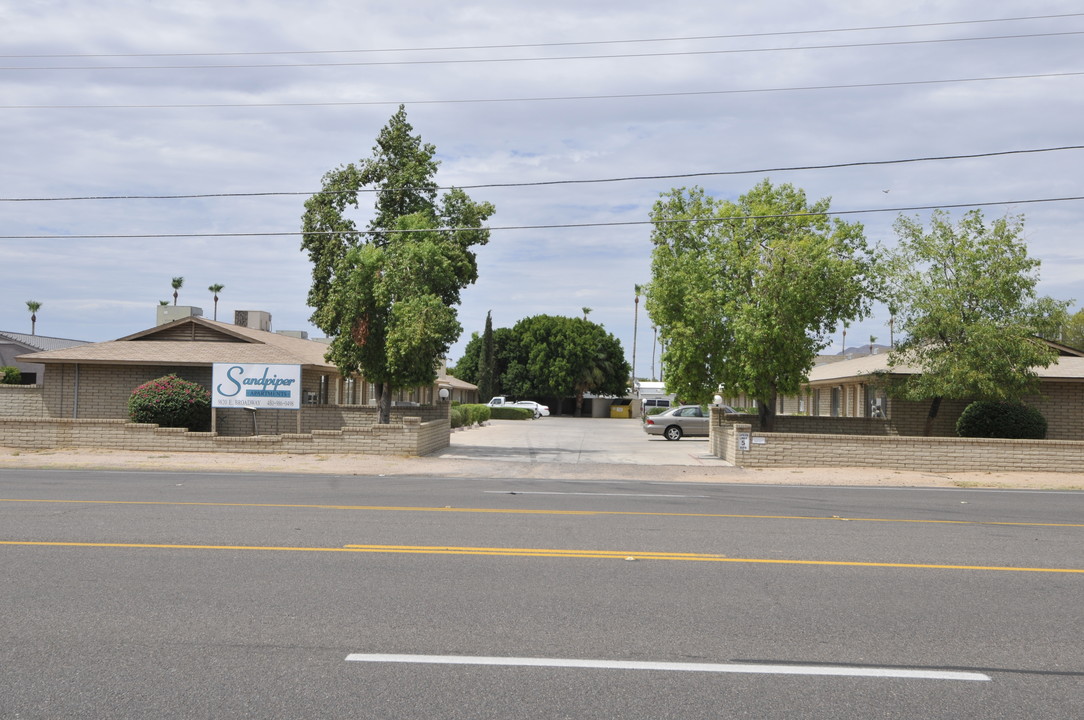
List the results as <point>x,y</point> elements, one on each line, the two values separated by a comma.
<point>235,344</point>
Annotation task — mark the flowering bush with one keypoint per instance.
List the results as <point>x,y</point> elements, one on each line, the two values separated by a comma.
<point>171,402</point>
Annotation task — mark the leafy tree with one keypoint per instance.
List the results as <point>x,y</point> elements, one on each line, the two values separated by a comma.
<point>965,298</point>
<point>33,306</point>
<point>553,356</point>
<point>487,364</point>
<point>745,294</point>
<point>468,367</point>
<point>1072,331</point>
<point>387,295</point>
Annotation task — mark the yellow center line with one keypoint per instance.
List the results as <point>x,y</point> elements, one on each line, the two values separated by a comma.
<point>518,511</point>
<point>539,552</point>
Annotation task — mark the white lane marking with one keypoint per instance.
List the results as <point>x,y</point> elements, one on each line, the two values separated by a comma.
<point>841,671</point>
<point>544,492</point>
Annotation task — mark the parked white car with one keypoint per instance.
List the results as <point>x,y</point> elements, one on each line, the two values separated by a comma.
<point>538,409</point>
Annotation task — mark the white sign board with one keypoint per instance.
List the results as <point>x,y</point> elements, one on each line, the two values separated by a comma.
<point>271,387</point>
<point>743,441</point>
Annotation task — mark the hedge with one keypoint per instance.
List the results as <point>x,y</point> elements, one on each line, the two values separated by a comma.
<point>990,419</point>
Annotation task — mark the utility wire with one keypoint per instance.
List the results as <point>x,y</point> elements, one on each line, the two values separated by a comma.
<point>480,61</point>
<point>783,33</point>
<point>541,183</point>
<point>555,98</point>
<point>561,226</point>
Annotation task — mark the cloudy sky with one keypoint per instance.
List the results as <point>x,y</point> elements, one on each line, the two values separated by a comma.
<point>249,103</point>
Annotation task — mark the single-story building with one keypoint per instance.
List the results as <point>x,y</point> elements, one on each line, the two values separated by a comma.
<point>13,345</point>
<point>94,381</point>
<point>853,388</point>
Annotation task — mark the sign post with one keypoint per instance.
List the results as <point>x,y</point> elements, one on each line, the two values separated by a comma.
<point>256,386</point>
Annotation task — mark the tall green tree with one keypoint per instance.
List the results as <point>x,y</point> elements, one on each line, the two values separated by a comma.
<point>487,369</point>
<point>965,297</point>
<point>1072,331</point>
<point>387,295</point>
<point>745,294</point>
<point>177,283</point>
<point>468,366</point>
<point>559,357</point>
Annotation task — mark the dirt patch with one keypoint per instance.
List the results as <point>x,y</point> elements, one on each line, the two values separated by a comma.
<point>383,465</point>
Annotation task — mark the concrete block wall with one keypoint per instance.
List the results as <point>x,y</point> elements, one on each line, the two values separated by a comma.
<point>411,437</point>
<point>931,454</point>
<point>22,401</point>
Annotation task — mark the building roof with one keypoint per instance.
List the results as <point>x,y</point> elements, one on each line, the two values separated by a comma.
<point>455,383</point>
<point>192,341</point>
<point>860,368</point>
<point>40,342</point>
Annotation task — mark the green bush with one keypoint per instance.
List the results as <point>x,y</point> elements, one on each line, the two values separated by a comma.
<point>171,402</point>
<point>468,415</point>
<point>990,419</point>
<point>10,375</point>
<point>656,410</point>
<point>479,413</point>
<point>511,413</point>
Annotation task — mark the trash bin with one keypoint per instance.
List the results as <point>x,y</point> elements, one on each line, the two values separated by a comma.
<point>621,409</point>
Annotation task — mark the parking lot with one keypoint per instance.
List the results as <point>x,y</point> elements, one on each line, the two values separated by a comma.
<point>571,440</point>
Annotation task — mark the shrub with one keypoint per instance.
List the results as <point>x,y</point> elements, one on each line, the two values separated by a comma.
<point>468,415</point>
<point>10,375</point>
<point>171,402</point>
<point>990,419</point>
<point>478,414</point>
<point>511,413</point>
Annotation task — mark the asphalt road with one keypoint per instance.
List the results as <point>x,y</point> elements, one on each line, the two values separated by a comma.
<point>183,595</point>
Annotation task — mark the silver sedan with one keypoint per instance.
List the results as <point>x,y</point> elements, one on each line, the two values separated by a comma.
<point>677,422</point>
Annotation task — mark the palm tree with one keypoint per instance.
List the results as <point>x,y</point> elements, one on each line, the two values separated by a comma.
<point>845,326</point>
<point>586,312</point>
<point>635,320</point>
<point>177,283</point>
<point>33,306</point>
<point>892,325</point>
<point>872,339</point>
<point>163,302</point>
<point>215,290</point>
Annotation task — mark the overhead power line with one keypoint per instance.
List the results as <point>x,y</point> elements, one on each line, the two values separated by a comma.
<point>554,98</point>
<point>736,36</point>
<point>556,226</point>
<point>542,183</point>
<point>480,61</point>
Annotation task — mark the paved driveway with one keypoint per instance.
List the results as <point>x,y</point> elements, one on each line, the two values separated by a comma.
<point>575,440</point>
